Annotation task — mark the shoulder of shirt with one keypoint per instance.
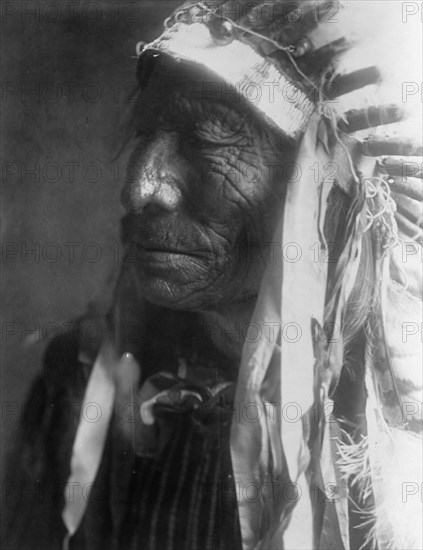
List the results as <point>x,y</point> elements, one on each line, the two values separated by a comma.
<point>70,356</point>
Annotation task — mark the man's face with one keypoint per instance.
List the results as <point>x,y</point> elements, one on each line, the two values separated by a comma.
<point>202,192</point>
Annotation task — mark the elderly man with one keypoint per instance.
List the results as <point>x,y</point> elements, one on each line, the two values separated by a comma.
<point>171,457</point>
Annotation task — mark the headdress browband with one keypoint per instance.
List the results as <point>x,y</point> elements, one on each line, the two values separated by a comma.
<point>243,59</point>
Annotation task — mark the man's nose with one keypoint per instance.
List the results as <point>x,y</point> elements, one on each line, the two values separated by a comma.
<point>154,178</point>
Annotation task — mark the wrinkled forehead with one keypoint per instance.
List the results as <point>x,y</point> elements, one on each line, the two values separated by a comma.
<point>177,92</point>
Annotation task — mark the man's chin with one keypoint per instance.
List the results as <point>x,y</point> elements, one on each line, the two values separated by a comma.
<point>164,293</point>
<point>176,283</point>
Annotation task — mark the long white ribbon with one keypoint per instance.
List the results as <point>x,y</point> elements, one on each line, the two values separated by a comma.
<point>96,412</point>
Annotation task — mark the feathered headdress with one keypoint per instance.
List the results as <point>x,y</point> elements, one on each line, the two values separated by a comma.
<point>336,322</point>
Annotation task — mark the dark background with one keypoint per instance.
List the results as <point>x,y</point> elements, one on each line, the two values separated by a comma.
<point>67,70</point>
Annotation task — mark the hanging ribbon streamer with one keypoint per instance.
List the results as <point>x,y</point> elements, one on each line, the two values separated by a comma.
<point>303,296</point>
<point>90,438</point>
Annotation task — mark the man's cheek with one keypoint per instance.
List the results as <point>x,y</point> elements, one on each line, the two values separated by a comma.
<point>220,162</point>
<point>228,196</point>
<point>214,175</point>
<point>225,255</point>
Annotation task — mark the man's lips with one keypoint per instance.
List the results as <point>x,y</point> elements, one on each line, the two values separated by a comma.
<point>164,259</point>
<point>164,249</point>
<point>158,248</point>
<point>149,237</point>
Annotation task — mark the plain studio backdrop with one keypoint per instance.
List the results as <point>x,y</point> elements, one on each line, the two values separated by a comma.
<point>67,71</point>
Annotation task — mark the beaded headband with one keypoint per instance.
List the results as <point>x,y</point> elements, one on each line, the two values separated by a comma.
<point>198,34</point>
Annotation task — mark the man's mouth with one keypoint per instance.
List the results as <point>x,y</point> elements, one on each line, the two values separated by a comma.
<point>162,247</point>
<point>158,248</point>
<point>163,253</point>
<point>147,240</point>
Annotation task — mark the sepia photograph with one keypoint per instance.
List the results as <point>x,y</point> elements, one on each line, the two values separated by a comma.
<point>211,275</point>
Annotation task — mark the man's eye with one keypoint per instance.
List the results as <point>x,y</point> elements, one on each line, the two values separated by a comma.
<point>202,141</point>
<point>222,137</point>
